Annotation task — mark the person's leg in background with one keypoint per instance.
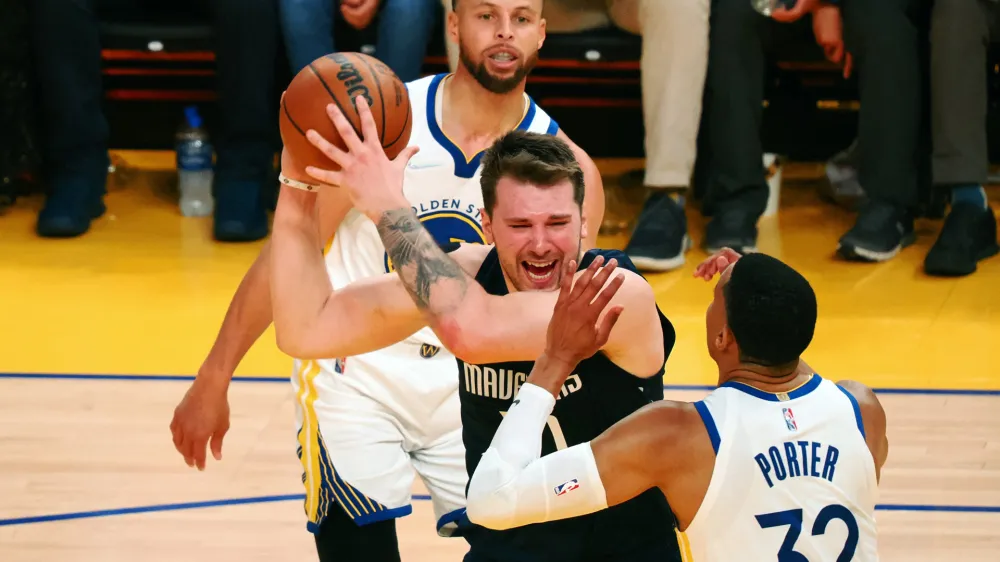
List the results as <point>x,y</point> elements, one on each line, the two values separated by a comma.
<point>307,30</point>
<point>883,37</point>
<point>404,31</point>
<point>674,62</point>
<point>74,132</point>
<point>960,39</point>
<point>246,52</point>
<point>736,188</point>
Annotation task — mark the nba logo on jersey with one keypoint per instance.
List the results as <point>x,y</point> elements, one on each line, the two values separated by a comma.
<point>790,419</point>
<point>567,487</point>
<point>339,364</point>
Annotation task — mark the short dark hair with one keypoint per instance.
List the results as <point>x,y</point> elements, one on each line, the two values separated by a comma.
<point>771,309</point>
<point>529,157</point>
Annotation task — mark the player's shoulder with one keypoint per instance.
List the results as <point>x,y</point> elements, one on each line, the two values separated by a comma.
<point>418,90</point>
<point>634,281</point>
<point>867,402</point>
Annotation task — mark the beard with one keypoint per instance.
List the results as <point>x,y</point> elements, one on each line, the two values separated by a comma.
<point>492,83</point>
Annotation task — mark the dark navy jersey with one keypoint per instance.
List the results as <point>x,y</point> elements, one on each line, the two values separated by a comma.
<point>598,394</point>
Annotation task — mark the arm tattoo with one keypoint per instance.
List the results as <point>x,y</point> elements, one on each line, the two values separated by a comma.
<point>436,283</point>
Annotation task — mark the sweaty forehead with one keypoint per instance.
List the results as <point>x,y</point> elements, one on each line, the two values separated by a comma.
<point>510,4</point>
<point>526,200</point>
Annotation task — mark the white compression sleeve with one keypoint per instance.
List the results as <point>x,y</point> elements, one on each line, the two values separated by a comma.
<point>513,487</point>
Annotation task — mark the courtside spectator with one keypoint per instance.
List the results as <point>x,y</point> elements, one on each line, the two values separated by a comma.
<point>960,39</point>
<point>403,33</point>
<point>878,41</point>
<point>67,51</point>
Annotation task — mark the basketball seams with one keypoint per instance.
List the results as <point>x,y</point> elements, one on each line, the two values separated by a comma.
<point>333,97</point>
<point>381,98</point>
<point>403,130</point>
<point>284,107</point>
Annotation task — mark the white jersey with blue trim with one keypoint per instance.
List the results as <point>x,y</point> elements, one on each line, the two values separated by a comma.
<point>442,185</point>
<point>793,480</point>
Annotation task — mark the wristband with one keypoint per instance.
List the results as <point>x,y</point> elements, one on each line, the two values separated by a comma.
<point>285,180</point>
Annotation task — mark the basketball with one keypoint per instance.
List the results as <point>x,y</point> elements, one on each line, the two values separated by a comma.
<point>339,78</point>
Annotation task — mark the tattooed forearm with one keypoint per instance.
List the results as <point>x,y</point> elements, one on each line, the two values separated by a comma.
<point>436,283</point>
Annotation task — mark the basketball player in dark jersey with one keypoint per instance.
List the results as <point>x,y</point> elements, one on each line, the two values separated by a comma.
<point>490,305</point>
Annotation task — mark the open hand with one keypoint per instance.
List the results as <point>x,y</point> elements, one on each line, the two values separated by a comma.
<point>716,263</point>
<point>374,183</point>
<point>574,333</point>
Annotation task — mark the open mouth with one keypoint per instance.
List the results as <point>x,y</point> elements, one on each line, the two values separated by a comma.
<point>539,271</point>
<point>503,58</point>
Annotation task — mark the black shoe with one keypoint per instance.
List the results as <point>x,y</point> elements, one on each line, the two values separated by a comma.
<point>731,228</point>
<point>76,197</point>
<point>660,237</point>
<point>969,234</point>
<point>879,233</point>
<point>239,214</point>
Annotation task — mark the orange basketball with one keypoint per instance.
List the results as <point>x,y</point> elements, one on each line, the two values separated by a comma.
<point>339,78</point>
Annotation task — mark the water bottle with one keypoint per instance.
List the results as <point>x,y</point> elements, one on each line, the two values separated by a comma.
<point>194,166</point>
<point>767,7</point>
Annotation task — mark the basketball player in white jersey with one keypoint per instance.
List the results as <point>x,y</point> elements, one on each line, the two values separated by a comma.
<point>777,463</point>
<point>367,421</point>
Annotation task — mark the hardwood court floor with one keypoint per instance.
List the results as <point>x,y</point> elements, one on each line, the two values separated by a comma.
<point>144,292</point>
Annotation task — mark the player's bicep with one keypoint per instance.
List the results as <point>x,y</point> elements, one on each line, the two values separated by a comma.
<point>628,455</point>
<point>365,316</point>
<point>504,328</point>
<point>636,342</point>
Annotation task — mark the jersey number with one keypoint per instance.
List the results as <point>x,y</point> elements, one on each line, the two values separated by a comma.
<point>555,429</point>
<point>793,518</point>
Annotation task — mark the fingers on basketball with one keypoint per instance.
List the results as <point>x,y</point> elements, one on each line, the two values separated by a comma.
<point>339,78</point>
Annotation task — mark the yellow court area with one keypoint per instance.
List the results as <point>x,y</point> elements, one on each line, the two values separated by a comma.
<point>137,301</point>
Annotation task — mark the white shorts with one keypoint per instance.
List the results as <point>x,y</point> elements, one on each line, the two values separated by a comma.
<point>366,423</point>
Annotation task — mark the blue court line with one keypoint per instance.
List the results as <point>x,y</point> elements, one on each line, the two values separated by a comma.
<point>419,497</point>
<point>937,391</point>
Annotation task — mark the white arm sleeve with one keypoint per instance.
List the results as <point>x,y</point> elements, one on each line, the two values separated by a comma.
<point>513,487</point>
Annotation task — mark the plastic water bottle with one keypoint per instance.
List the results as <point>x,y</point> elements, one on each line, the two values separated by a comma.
<point>194,166</point>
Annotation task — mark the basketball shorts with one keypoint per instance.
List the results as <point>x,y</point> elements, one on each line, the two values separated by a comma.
<point>368,423</point>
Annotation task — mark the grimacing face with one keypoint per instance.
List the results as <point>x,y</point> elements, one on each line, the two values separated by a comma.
<point>498,40</point>
<point>536,230</point>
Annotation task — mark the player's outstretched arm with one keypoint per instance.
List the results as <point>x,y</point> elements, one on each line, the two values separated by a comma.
<point>473,325</point>
<point>202,416</point>
<point>311,320</point>
<point>512,486</point>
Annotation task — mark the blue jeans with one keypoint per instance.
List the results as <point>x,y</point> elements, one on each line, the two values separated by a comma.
<point>404,30</point>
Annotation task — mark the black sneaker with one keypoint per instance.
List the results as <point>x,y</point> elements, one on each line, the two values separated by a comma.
<point>969,234</point>
<point>879,233</point>
<point>731,228</point>
<point>660,237</point>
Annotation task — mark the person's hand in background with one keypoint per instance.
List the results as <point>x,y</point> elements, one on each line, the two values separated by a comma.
<point>829,31</point>
<point>800,8</point>
<point>359,13</point>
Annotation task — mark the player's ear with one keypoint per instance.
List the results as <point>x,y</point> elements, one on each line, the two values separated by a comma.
<point>451,23</point>
<point>541,32</point>
<point>484,217</point>
<point>725,339</point>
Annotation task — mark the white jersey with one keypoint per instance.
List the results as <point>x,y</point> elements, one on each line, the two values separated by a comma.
<point>442,184</point>
<point>793,477</point>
